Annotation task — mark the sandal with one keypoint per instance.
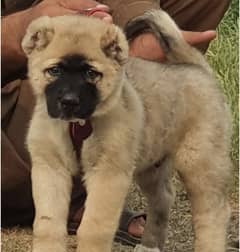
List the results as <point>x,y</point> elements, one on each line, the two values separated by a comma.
<point>122,236</point>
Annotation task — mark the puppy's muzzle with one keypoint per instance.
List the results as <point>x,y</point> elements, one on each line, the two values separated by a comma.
<point>68,102</point>
<point>69,105</point>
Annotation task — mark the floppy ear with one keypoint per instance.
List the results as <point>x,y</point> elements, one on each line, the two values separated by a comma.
<point>114,44</point>
<point>39,34</point>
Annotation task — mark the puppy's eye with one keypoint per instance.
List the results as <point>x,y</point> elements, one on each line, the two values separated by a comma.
<point>55,71</point>
<point>92,74</point>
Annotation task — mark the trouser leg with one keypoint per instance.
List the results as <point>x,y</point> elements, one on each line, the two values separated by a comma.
<point>17,204</point>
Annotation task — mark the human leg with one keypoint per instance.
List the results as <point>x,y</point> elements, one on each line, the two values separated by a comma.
<point>17,204</point>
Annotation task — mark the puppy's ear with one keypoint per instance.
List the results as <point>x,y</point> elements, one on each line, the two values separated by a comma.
<point>115,45</point>
<point>39,34</point>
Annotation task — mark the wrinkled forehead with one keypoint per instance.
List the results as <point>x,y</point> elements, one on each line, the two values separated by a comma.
<point>76,47</point>
<point>70,43</point>
<point>80,36</point>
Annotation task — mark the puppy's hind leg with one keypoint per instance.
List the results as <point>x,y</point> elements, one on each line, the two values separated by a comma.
<point>205,167</point>
<point>155,183</point>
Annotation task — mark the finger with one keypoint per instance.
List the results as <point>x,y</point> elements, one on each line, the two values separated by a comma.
<point>53,11</point>
<point>103,15</point>
<point>82,5</point>
<point>194,38</point>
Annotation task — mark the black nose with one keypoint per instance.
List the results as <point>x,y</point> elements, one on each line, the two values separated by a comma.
<point>69,101</point>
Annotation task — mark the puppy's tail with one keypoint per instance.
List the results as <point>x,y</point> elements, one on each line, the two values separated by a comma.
<point>175,48</point>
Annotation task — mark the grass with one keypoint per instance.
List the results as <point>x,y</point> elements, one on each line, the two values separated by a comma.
<point>223,57</point>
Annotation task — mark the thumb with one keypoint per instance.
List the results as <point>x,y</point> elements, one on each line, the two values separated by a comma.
<point>194,38</point>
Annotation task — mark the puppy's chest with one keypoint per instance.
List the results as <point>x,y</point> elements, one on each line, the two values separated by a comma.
<point>90,153</point>
<point>59,139</point>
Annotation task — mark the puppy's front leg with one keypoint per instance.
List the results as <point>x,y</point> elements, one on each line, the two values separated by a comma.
<point>107,184</point>
<point>51,184</point>
<point>106,194</point>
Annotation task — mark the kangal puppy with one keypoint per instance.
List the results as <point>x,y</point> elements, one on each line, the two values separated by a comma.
<point>148,119</point>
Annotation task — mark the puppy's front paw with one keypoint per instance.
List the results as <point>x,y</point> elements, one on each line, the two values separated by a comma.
<point>48,245</point>
<point>141,248</point>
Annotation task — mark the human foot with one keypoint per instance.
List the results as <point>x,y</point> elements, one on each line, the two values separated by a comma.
<point>131,228</point>
<point>136,226</point>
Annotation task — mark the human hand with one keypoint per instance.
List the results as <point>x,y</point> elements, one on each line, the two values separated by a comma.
<point>68,7</point>
<point>147,47</point>
<point>61,7</point>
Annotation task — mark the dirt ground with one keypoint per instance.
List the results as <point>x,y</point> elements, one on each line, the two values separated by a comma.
<point>180,235</point>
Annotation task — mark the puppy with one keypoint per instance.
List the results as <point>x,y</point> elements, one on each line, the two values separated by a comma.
<point>148,118</point>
